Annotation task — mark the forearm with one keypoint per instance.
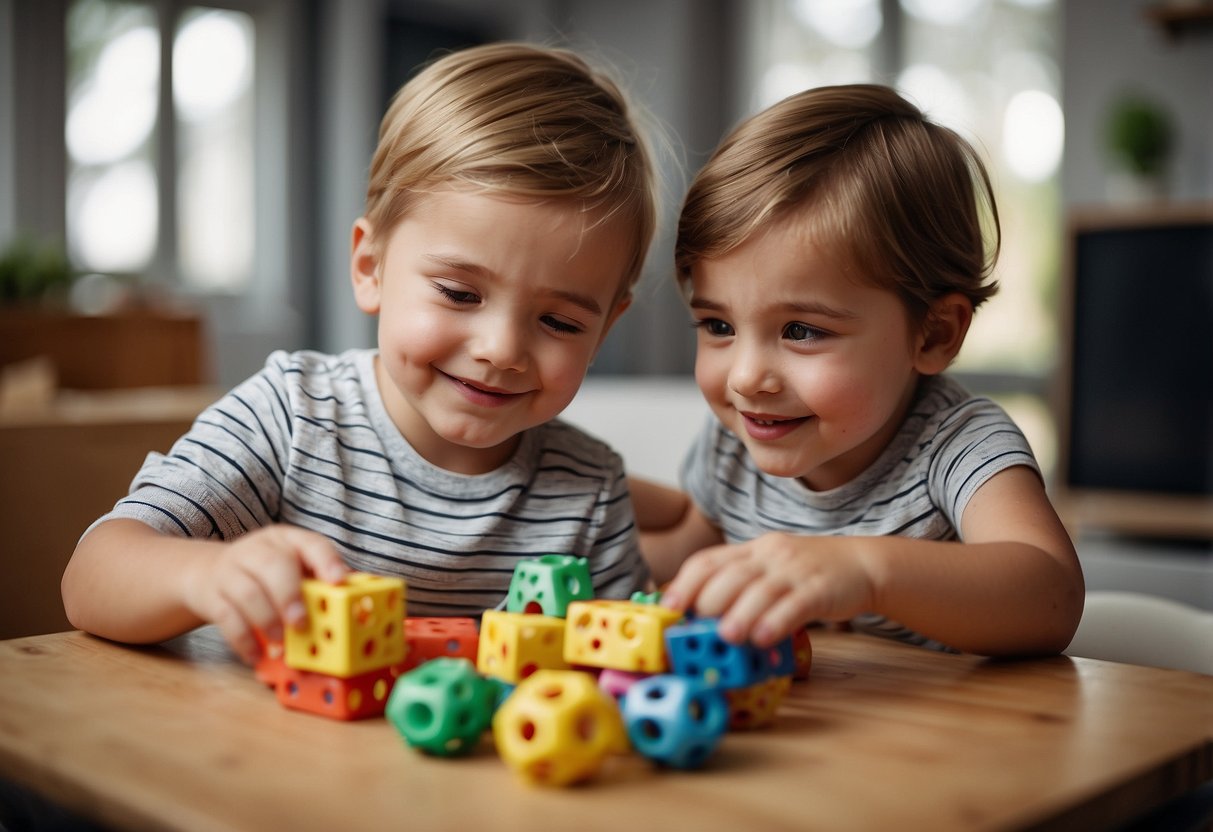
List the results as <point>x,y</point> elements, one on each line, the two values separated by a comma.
<point>997,598</point>
<point>127,582</point>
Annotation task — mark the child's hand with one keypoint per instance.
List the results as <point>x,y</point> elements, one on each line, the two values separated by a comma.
<point>765,589</point>
<point>254,584</point>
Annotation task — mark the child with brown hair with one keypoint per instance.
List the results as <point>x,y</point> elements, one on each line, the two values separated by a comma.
<point>833,251</point>
<point>510,206</point>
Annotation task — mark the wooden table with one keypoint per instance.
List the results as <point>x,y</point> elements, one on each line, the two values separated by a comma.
<point>882,736</point>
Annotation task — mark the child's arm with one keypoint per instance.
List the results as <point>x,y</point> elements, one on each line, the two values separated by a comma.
<point>129,582</point>
<point>671,527</point>
<point>1014,586</point>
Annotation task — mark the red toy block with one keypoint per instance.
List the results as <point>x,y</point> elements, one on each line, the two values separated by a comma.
<point>353,697</point>
<point>437,637</point>
<point>802,652</point>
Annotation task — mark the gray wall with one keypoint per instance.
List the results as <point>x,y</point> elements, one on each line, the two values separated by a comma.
<point>1109,46</point>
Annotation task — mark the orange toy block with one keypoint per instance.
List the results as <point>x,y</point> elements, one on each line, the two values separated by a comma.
<point>802,653</point>
<point>353,697</point>
<point>755,706</point>
<point>435,637</point>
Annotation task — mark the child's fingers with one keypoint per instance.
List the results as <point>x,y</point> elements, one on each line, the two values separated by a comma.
<point>246,594</point>
<point>318,555</point>
<point>236,632</point>
<point>752,600</point>
<point>683,591</point>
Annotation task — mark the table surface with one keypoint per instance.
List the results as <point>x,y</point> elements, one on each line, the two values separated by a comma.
<point>882,735</point>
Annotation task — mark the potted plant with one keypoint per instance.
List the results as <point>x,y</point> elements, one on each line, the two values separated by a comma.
<point>34,273</point>
<point>1139,139</point>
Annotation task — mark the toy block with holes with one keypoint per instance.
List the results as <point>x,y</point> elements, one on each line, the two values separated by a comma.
<point>802,653</point>
<point>430,638</point>
<point>755,706</point>
<point>353,627</point>
<point>548,584</point>
<point>622,635</point>
<point>558,727</point>
<point>513,645</point>
<point>346,698</point>
<point>675,720</point>
<point>696,649</point>
<point>443,706</point>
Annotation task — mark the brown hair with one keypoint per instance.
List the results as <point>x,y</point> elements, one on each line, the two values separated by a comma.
<point>898,197</point>
<point>523,120</point>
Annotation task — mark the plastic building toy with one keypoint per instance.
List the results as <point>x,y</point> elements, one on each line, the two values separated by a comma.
<point>513,645</point>
<point>354,697</point>
<point>442,707</point>
<point>353,627</point>
<point>616,682</point>
<point>697,650</point>
<point>675,720</point>
<point>618,634</point>
<point>435,637</point>
<point>546,585</point>
<point>802,653</point>
<point>639,597</point>
<point>755,706</point>
<point>558,727</point>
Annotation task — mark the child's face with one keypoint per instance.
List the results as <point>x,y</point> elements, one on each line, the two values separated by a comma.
<point>811,368</point>
<point>490,311</point>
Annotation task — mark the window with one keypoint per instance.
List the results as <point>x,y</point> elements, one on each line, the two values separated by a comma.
<point>988,69</point>
<point>159,134</point>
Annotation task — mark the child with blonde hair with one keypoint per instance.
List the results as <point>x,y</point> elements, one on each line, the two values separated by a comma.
<point>509,210</point>
<point>833,251</point>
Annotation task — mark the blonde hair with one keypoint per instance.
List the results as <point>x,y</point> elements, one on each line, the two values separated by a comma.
<point>906,202</point>
<point>517,119</point>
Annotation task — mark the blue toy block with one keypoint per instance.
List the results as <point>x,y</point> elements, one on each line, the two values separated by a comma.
<point>696,649</point>
<point>675,720</point>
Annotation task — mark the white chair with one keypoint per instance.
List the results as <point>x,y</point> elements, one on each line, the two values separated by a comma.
<point>1137,628</point>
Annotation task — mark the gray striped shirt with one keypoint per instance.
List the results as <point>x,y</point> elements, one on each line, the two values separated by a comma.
<point>307,441</point>
<point>948,446</point>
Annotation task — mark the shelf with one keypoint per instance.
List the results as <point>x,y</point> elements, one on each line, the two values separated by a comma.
<point>1175,19</point>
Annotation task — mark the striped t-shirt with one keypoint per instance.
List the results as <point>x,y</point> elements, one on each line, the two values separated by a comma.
<point>307,441</point>
<point>949,445</point>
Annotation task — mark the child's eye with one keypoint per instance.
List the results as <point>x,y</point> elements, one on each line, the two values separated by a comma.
<point>714,327</point>
<point>797,331</point>
<point>459,296</point>
<point>560,325</point>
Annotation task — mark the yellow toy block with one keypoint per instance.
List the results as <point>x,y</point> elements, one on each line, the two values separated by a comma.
<point>353,627</point>
<point>513,645</point>
<point>557,727</point>
<point>622,635</point>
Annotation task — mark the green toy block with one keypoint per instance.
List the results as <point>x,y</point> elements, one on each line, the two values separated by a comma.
<point>443,706</point>
<point>547,585</point>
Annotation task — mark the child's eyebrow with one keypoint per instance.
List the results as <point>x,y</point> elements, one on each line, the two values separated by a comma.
<point>456,264</point>
<point>803,308</point>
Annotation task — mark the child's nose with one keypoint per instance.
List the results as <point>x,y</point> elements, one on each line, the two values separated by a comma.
<point>752,372</point>
<point>501,342</point>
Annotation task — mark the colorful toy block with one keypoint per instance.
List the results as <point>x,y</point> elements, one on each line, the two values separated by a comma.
<point>443,706</point>
<point>623,635</point>
<point>435,637</point>
<point>639,597</point>
<point>755,706</point>
<point>353,697</point>
<point>353,627</point>
<point>546,585</point>
<point>802,653</point>
<point>616,682</point>
<point>674,720</point>
<point>513,645</point>
<point>558,727</point>
<point>696,649</point>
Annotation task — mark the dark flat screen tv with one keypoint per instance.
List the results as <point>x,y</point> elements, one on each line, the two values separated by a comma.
<point>1136,419</point>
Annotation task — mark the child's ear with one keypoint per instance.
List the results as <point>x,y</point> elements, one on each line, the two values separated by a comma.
<point>364,267</point>
<point>943,333</point>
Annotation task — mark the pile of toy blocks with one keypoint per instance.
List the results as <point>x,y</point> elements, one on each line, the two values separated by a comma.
<point>561,679</point>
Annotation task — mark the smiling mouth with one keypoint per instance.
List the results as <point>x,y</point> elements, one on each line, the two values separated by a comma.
<point>764,427</point>
<point>479,389</point>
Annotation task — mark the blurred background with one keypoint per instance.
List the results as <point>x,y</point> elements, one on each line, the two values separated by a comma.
<point>191,170</point>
